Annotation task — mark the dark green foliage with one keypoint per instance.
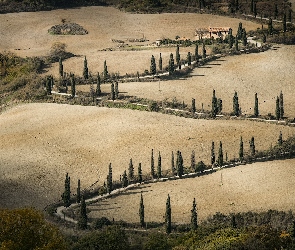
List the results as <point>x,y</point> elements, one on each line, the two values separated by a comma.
<point>233,221</point>
<point>237,43</point>
<point>152,164</point>
<point>204,51</point>
<point>78,197</point>
<point>179,164</point>
<point>105,71</point>
<point>130,171</point>
<point>280,140</point>
<point>193,160</point>
<point>200,167</point>
<point>252,6</point>
<point>48,85</point>
<point>244,37</point>
<point>113,95</point>
<point>214,109</point>
<point>263,38</point>
<point>256,110</point>
<point>98,82</point>
<point>159,168</point>
<point>276,11</point>
<point>171,65</point>
<point>290,15</point>
<point>153,67</point>
<point>240,30</point>
<point>124,179</point>
<point>139,174</point>
<point>220,155</point>
<point>255,9</point>
<point>278,113</point>
<point>168,216</point>
<point>73,86</point>
<point>85,69</point>
<point>193,109</point>
<point>141,211</point>
<point>101,222</point>
<point>172,164</point>
<point>236,106</point>
<point>189,59</point>
<point>252,147</point>
<point>212,154</point>
<point>197,53</point>
<point>230,38</point>
<point>61,68</point>
<point>110,180</point>
<point>177,55</point>
<point>219,105</point>
<point>160,63</point>
<point>82,221</point>
<point>194,216</point>
<point>66,196</point>
<point>270,27</point>
<point>157,241</point>
<point>281,98</point>
<point>241,151</point>
<point>284,22</point>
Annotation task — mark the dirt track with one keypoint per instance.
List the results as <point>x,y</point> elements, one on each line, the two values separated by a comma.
<point>41,142</point>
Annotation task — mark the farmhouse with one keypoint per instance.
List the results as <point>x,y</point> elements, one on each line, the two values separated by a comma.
<point>212,32</point>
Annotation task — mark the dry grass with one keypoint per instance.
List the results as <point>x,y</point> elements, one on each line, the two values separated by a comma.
<point>41,142</point>
<point>257,187</point>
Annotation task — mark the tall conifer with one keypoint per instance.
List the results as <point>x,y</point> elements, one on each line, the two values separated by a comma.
<point>159,168</point>
<point>82,221</point>
<point>168,216</point>
<point>194,216</point>
<point>85,69</point>
<point>78,197</point>
<point>141,211</point>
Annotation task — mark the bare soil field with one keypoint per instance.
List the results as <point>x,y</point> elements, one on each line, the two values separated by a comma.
<point>257,187</point>
<point>41,142</point>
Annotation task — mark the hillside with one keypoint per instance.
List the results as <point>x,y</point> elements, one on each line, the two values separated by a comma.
<point>40,143</point>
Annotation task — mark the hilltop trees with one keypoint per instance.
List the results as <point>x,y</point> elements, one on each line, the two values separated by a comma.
<point>66,196</point>
<point>168,216</point>
<point>141,211</point>
<point>82,221</point>
<point>194,216</point>
<point>153,68</point>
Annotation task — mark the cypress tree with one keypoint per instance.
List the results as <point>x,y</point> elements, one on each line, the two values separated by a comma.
<point>82,221</point>
<point>230,38</point>
<point>241,151</point>
<point>139,173</point>
<point>270,27</point>
<point>124,179</point>
<point>177,56</point>
<point>284,22</point>
<point>66,196</point>
<point>276,11</point>
<point>113,92</point>
<point>159,168</point>
<point>105,71</point>
<point>194,216</point>
<point>110,180</point>
<point>278,113</point>
<point>255,10</point>
<point>290,15</point>
<point>160,63</point>
<point>61,68</point>
<point>73,86</point>
<point>172,164</point>
<point>179,164</point>
<point>189,59</point>
<point>280,140</point>
<point>153,66</point>
<point>237,43</point>
<point>152,165</point>
<point>85,69</point>
<point>256,111</point>
<point>193,109</point>
<point>141,211</point>
<point>193,161</point>
<point>116,90</point>
<point>239,32</point>
<point>197,53</point>
<point>78,198</point>
<point>252,147</point>
<point>219,105</point>
<point>98,81</point>
<point>168,216</point>
<point>244,37</point>
<point>252,6</point>
<point>130,171</point>
<point>281,99</point>
<point>214,105</point>
<point>212,154</point>
<point>204,50</point>
<point>48,85</point>
<point>220,155</point>
<point>236,106</point>
<point>171,65</point>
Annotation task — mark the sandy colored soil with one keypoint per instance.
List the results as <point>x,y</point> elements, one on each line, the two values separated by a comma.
<point>257,187</point>
<point>41,142</point>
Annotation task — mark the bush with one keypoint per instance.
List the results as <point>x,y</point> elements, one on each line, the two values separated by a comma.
<point>100,222</point>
